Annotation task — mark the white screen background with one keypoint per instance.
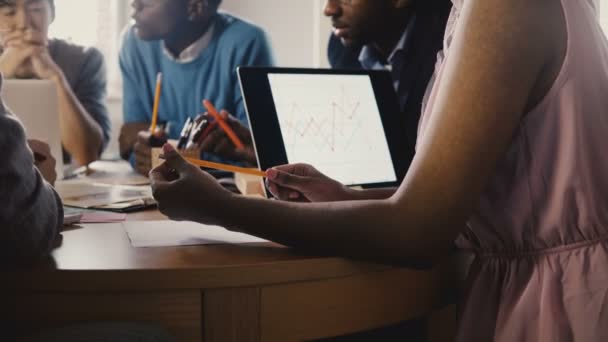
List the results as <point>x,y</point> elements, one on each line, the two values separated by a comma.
<point>333,123</point>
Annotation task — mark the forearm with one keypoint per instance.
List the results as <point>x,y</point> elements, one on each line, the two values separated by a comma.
<point>30,220</point>
<point>370,194</point>
<point>366,230</point>
<point>81,134</point>
<point>34,229</point>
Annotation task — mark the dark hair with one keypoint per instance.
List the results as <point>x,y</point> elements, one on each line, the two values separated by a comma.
<point>51,3</point>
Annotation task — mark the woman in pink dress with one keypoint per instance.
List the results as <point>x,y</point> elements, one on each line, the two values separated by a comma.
<point>508,163</point>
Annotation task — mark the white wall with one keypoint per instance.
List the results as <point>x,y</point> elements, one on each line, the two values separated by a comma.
<point>297,29</point>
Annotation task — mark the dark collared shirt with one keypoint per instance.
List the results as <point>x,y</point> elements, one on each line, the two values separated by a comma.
<point>370,58</point>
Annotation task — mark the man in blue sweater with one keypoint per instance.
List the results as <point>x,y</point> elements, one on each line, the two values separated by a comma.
<point>198,50</point>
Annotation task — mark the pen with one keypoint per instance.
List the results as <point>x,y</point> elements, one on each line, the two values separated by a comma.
<point>235,139</point>
<point>196,133</point>
<point>159,81</point>
<point>185,134</point>
<point>206,131</point>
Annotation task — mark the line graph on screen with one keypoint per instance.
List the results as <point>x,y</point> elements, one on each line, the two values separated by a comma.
<point>332,122</point>
<point>335,127</point>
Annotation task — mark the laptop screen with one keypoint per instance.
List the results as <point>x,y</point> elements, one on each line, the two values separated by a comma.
<point>333,123</point>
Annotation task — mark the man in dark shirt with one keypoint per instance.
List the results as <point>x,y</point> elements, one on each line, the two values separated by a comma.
<point>402,37</point>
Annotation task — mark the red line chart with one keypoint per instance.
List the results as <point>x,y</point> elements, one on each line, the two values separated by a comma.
<point>333,123</point>
<point>336,127</point>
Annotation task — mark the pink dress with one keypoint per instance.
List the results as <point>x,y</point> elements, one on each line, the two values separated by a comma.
<point>540,233</point>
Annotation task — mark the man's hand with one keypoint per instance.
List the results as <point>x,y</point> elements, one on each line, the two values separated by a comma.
<point>44,68</point>
<point>185,192</point>
<point>218,143</point>
<point>304,183</point>
<point>128,137</point>
<point>18,48</point>
<point>143,153</point>
<point>43,160</point>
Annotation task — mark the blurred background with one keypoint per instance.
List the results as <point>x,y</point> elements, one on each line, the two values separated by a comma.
<point>297,30</point>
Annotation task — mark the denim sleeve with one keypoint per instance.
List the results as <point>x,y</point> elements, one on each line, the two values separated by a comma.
<point>31,213</point>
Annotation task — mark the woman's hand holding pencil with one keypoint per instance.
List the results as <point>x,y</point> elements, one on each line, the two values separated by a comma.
<point>185,192</point>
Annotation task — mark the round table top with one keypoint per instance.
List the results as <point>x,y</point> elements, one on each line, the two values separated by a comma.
<point>101,257</point>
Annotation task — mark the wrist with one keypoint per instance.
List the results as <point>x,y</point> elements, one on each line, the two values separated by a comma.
<point>221,212</point>
<point>59,79</point>
<point>351,194</point>
<point>7,73</point>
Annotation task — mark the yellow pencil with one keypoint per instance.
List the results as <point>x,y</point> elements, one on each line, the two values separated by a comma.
<point>159,81</point>
<point>226,167</point>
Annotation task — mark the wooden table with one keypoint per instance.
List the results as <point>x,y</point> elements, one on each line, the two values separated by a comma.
<point>261,292</point>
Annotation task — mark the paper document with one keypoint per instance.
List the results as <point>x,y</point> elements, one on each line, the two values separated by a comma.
<point>171,233</point>
<point>88,195</point>
<point>112,173</point>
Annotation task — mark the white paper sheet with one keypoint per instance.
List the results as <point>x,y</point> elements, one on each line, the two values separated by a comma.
<point>88,195</point>
<point>170,233</point>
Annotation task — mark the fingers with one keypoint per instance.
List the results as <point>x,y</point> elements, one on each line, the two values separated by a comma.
<point>142,148</point>
<point>28,51</point>
<point>175,161</point>
<point>276,190</point>
<point>143,158</point>
<point>247,155</point>
<point>241,130</point>
<point>229,117</point>
<point>161,174</point>
<point>224,148</point>
<point>284,194</point>
<point>212,140</point>
<point>143,168</point>
<point>288,180</point>
<point>35,37</point>
<point>143,137</point>
<point>142,151</point>
<point>12,37</point>
<point>39,147</point>
<point>128,137</point>
<point>298,169</point>
<point>159,181</point>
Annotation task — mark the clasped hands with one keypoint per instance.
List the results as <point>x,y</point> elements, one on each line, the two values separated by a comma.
<point>25,54</point>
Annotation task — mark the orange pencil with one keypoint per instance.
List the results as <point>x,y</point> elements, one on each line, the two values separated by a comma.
<point>226,167</point>
<point>229,132</point>
<point>159,81</point>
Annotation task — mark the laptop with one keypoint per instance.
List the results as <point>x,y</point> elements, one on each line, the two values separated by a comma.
<point>35,103</point>
<point>343,122</point>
